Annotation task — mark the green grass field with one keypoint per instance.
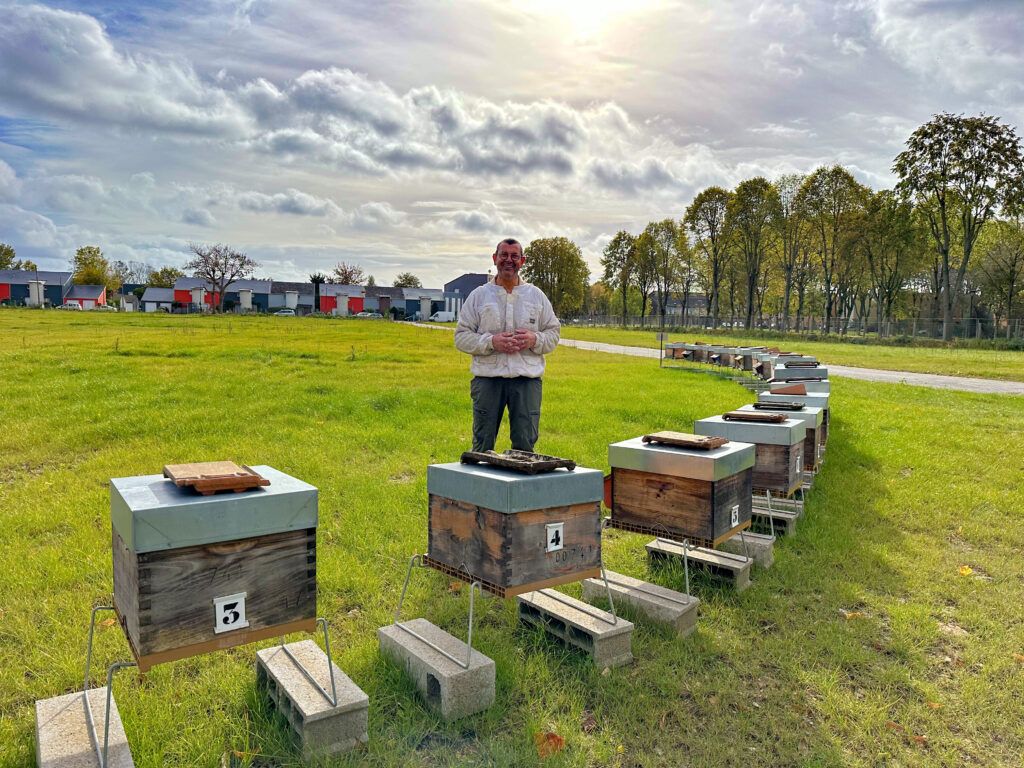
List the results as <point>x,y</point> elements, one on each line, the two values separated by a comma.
<point>983,363</point>
<point>868,642</point>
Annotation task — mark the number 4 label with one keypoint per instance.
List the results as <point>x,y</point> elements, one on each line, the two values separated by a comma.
<point>229,613</point>
<point>556,536</point>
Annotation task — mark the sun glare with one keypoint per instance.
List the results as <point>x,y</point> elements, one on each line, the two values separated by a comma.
<point>588,18</point>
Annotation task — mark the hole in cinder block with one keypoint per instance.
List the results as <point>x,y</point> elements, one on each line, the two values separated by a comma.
<point>433,690</point>
<point>581,638</point>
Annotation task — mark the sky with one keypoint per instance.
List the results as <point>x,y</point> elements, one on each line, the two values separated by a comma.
<point>412,136</point>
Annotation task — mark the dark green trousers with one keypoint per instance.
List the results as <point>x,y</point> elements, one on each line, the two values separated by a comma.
<point>491,396</point>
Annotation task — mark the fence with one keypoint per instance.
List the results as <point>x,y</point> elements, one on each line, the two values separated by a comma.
<point>916,328</point>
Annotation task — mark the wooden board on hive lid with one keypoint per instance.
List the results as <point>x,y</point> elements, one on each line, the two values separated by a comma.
<point>209,477</point>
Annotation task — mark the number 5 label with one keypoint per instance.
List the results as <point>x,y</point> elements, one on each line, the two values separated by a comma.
<point>229,613</point>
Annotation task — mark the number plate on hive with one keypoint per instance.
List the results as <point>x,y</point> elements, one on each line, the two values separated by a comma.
<point>555,536</point>
<point>229,613</point>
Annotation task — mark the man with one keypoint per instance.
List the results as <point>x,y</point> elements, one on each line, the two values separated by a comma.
<point>507,326</point>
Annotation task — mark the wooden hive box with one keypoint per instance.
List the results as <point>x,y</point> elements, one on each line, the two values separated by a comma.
<point>679,493</point>
<point>819,400</point>
<point>812,387</point>
<point>785,373</point>
<point>778,457</point>
<point>194,573</point>
<point>676,350</point>
<point>814,440</point>
<point>513,532</point>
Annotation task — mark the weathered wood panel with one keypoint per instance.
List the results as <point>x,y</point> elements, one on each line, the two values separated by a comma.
<point>811,442</point>
<point>778,468</point>
<point>681,507</point>
<point>509,550</point>
<point>170,605</point>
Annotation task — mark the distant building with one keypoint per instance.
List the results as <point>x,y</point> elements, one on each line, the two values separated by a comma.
<point>381,299</point>
<point>156,299</point>
<point>342,299</point>
<point>466,283</point>
<point>21,287</point>
<point>297,296</point>
<point>86,296</point>
<point>241,295</point>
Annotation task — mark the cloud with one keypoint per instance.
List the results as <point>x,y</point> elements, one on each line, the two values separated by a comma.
<point>291,201</point>
<point>68,68</point>
<point>198,216</point>
<point>10,186</point>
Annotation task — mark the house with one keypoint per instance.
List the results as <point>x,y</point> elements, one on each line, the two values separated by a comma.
<point>425,301</point>
<point>87,296</point>
<point>466,283</point>
<point>240,295</point>
<point>297,296</point>
<point>696,305</point>
<point>33,288</point>
<point>342,299</point>
<point>381,299</point>
<point>156,299</point>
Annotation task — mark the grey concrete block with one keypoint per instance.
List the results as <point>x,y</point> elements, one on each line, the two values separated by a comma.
<point>447,688</point>
<point>759,546</point>
<point>607,639</point>
<point>724,565</point>
<point>323,729</point>
<point>781,522</point>
<point>659,604</point>
<point>62,732</point>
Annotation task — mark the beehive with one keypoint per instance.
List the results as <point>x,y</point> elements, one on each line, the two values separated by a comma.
<point>680,493</point>
<point>819,400</point>
<point>778,458</point>
<point>513,532</point>
<point>814,440</point>
<point>196,573</point>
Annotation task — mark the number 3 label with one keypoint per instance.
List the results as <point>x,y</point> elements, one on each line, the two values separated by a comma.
<point>229,613</point>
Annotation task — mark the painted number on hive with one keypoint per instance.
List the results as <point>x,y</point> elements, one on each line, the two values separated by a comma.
<point>229,613</point>
<point>734,516</point>
<point>555,536</point>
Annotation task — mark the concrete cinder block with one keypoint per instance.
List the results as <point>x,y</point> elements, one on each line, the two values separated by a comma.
<point>322,729</point>
<point>580,625</point>
<point>62,732</point>
<point>724,565</point>
<point>759,546</point>
<point>659,604</point>
<point>447,688</point>
<point>781,522</point>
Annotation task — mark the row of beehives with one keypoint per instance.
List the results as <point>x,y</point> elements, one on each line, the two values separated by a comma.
<point>194,574</point>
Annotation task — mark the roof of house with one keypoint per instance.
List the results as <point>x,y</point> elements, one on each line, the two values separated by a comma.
<point>380,291</point>
<point>333,289</point>
<point>86,292</point>
<point>434,294</point>
<point>20,276</point>
<point>158,294</point>
<point>188,283</point>
<point>279,286</point>
<point>469,281</point>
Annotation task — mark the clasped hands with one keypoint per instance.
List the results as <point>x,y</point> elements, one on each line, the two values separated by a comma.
<point>514,341</point>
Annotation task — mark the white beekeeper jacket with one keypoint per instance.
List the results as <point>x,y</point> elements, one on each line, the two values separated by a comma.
<point>490,309</point>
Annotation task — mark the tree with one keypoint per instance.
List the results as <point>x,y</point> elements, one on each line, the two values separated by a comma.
<point>831,198</point>
<point>7,254</point>
<point>370,282</point>
<point>619,260</point>
<point>1000,267</point>
<point>666,262</point>
<point>406,280</point>
<point>705,220</point>
<point>219,265</point>
<point>556,266</point>
<point>317,279</point>
<point>165,277</point>
<point>27,264</point>
<point>891,243</point>
<point>90,267</point>
<point>791,229</point>
<point>963,168</point>
<point>752,213</point>
<point>646,266</point>
<point>347,274</point>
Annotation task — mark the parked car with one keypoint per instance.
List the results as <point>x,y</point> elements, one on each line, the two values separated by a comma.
<point>369,314</point>
<point>105,308</point>
<point>442,317</point>
<point>285,313</point>
<point>74,306</point>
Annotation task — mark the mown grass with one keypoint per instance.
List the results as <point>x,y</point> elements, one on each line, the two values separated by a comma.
<point>925,668</point>
<point>983,363</point>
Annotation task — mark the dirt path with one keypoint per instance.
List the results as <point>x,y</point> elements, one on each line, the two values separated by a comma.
<point>933,380</point>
